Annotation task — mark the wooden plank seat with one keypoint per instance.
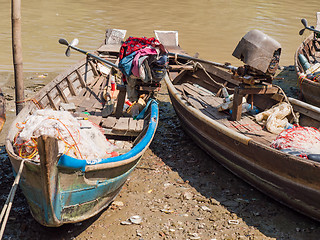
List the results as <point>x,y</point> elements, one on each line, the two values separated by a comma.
<point>124,126</point>
<point>114,38</point>
<point>242,90</point>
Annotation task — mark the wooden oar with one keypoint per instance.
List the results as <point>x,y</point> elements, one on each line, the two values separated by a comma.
<point>229,67</point>
<point>73,46</point>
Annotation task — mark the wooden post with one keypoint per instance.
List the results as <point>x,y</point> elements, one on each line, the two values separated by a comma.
<point>237,105</point>
<point>121,100</point>
<point>48,152</point>
<point>17,53</point>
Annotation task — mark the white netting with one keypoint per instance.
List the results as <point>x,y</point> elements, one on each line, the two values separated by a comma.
<point>303,138</point>
<point>77,138</point>
<point>275,118</point>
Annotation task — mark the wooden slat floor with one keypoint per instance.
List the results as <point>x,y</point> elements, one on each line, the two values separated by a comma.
<point>91,100</point>
<point>207,103</point>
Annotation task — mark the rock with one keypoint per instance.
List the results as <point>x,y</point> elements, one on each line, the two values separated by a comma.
<point>138,233</point>
<point>136,219</point>
<point>187,195</point>
<point>201,226</point>
<point>214,201</point>
<point>233,222</point>
<point>126,223</point>
<point>205,208</point>
<point>117,204</point>
<point>167,210</point>
<point>194,236</point>
<point>200,199</point>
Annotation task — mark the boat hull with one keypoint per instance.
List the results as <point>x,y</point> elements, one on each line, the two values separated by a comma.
<point>310,91</point>
<point>263,167</point>
<point>75,193</point>
<point>76,198</point>
<point>61,189</point>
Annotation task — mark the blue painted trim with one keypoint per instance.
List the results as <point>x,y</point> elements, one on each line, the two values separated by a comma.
<point>90,193</point>
<point>74,163</point>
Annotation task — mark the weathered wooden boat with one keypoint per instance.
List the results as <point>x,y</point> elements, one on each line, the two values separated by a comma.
<point>63,189</point>
<point>236,140</point>
<point>307,64</point>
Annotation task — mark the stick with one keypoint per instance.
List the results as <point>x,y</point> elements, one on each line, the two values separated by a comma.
<point>7,206</point>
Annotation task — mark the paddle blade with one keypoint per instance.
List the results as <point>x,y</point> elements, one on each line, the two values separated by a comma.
<point>301,31</point>
<point>74,42</point>
<point>63,42</point>
<point>304,22</point>
<point>68,52</point>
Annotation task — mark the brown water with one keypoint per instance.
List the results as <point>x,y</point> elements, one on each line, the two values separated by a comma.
<point>209,27</point>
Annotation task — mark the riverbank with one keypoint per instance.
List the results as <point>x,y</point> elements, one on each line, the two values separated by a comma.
<point>177,190</point>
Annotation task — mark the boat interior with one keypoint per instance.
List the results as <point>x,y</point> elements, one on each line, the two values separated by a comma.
<point>201,84</point>
<point>87,92</point>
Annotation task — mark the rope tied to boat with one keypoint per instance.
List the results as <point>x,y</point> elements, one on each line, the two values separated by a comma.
<point>197,64</point>
<point>8,204</point>
<point>295,117</point>
<point>38,105</point>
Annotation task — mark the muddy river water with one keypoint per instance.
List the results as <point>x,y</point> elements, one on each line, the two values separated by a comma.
<point>210,27</point>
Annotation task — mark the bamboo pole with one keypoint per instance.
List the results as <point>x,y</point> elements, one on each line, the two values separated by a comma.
<point>17,53</point>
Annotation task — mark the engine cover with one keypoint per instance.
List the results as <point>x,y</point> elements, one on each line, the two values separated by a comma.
<point>259,51</point>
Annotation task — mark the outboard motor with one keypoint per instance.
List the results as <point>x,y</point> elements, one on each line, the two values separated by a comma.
<point>261,54</point>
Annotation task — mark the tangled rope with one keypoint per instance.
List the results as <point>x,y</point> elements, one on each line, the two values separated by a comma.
<point>76,138</point>
<point>29,148</point>
<point>295,117</point>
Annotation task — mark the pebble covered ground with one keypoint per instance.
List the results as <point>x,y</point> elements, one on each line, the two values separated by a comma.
<point>176,192</point>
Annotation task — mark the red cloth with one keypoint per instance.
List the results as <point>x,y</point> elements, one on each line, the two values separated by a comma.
<point>133,44</point>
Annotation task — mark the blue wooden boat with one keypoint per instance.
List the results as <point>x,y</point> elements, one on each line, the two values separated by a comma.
<point>61,188</point>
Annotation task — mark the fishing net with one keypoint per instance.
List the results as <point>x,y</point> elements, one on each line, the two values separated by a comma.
<point>301,138</point>
<point>76,138</point>
<point>275,118</point>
